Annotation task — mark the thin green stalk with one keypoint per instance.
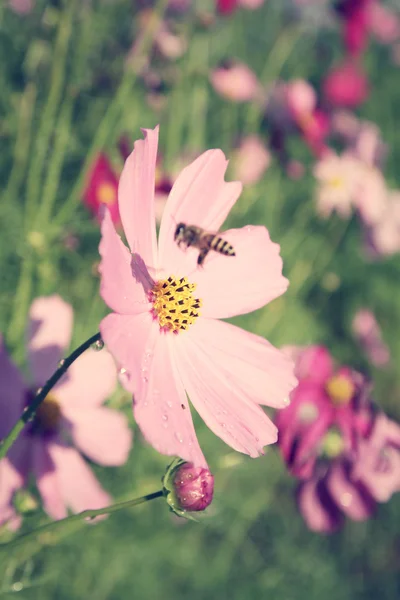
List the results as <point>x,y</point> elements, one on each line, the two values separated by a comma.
<point>22,141</point>
<point>86,515</point>
<point>49,112</point>
<point>280,52</point>
<point>21,299</point>
<point>109,121</point>
<point>41,394</point>
<point>56,162</point>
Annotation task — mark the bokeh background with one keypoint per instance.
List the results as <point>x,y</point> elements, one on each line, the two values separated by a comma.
<point>76,78</point>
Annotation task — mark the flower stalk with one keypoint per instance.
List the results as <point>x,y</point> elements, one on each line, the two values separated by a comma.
<point>86,515</point>
<point>41,394</point>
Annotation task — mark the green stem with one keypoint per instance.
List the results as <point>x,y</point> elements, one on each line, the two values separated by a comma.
<point>109,121</point>
<point>49,112</point>
<point>82,516</point>
<point>41,394</point>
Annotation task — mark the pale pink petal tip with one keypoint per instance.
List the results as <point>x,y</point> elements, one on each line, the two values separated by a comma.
<point>49,335</point>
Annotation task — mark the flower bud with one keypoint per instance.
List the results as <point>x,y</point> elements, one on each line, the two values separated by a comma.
<point>188,488</point>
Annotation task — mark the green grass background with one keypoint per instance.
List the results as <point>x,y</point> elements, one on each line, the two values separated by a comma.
<point>66,91</point>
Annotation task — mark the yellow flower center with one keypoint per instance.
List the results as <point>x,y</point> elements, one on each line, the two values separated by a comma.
<point>48,415</point>
<point>107,193</point>
<point>340,389</point>
<point>336,182</point>
<point>332,444</point>
<point>174,304</point>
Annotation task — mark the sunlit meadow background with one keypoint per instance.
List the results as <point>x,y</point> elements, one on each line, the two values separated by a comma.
<point>70,85</point>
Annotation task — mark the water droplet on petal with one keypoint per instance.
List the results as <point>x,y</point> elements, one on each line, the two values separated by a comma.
<point>98,345</point>
<point>165,417</point>
<point>179,437</point>
<point>61,363</point>
<point>169,403</point>
<point>286,401</point>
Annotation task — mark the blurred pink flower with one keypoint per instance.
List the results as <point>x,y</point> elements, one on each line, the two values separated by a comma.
<point>338,182</point>
<point>328,497</point>
<point>384,234</point>
<point>156,334</point>
<point>235,81</point>
<point>356,21</point>
<point>324,414</point>
<point>227,7</point>
<point>250,160</point>
<point>369,336</point>
<point>71,411</point>
<point>193,487</point>
<point>352,484</point>
<point>378,464</point>
<point>384,23</point>
<point>102,188</point>
<point>21,7</point>
<point>346,86</point>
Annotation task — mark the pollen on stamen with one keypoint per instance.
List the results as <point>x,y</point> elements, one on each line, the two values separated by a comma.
<point>174,305</point>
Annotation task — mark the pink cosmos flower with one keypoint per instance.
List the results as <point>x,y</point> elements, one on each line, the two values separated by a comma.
<point>164,332</point>
<point>251,160</point>
<point>326,411</point>
<point>369,336</point>
<point>234,81</point>
<point>71,419</point>
<point>346,86</point>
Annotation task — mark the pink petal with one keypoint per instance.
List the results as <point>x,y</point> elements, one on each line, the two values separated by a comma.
<point>354,502</point>
<point>100,433</point>
<point>10,481</point>
<point>49,334</point>
<point>78,486</point>
<point>314,363</point>
<point>234,285</point>
<point>218,386</point>
<point>12,392</point>
<point>257,368</point>
<point>319,515</point>
<point>136,197</point>
<point>120,289</point>
<point>45,472</point>
<point>201,197</point>
<point>161,408</point>
<point>90,380</point>
<point>127,337</point>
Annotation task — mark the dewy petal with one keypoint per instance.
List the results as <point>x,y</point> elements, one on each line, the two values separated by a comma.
<point>200,196</point>
<point>127,338</point>
<point>317,510</point>
<point>102,434</point>
<point>235,285</point>
<point>217,385</point>
<point>78,486</point>
<point>136,197</point>
<point>120,289</point>
<point>46,476</point>
<point>257,369</point>
<point>49,334</point>
<point>161,407</point>
<point>90,380</point>
<point>12,392</point>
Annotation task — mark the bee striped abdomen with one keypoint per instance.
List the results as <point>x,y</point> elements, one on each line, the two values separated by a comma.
<point>222,246</point>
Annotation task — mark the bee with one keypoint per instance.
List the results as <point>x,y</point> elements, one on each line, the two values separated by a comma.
<point>191,235</point>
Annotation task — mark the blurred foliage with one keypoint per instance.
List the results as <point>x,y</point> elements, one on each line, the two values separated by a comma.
<point>69,89</point>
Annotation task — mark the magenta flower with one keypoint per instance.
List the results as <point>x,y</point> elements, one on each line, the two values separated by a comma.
<point>353,483</point>
<point>71,411</point>
<point>325,413</point>
<point>346,85</point>
<point>164,332</point>
<point>193,487</point>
